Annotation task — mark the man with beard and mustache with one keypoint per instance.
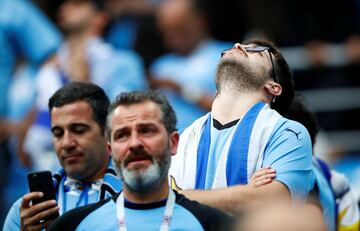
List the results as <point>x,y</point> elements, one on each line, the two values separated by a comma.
<point>78,125</point>
<point>142,138</point>
<point>244,132</point>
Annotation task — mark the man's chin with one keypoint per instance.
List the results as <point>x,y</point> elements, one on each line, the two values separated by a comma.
<point>75,172</point>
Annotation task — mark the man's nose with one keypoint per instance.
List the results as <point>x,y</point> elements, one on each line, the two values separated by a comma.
<point>68,141</point>
<point>239,46</point>
<point>135,142</point>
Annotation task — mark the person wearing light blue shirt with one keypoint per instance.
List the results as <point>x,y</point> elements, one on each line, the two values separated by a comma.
<point>245,131</point>
<point>84,56</point>
<point>194,73</point>
<point>142,137</point>
<point>24,33</point>
<point>335,196</point>
<point>26,36</point>
<point>78,117</point>
<point>186,74</point>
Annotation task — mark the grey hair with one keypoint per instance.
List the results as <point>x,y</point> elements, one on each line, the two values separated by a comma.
<point>168,116</point>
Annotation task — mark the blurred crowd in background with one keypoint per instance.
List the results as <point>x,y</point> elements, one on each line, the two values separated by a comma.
<point>175,47</point>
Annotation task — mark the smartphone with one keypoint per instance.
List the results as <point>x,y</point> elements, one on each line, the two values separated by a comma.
<point>42,182</point>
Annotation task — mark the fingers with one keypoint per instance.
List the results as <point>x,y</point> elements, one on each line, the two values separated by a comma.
<point>39,226</point>
<point>31,215</point>
<point>264,171</point>
<point>35,222</point>
<point>262,177</point>
<point>262,182</point>
<point>25,203</point>
<point>42,215</point>
<point>35,209</point>
<point>46,224</point>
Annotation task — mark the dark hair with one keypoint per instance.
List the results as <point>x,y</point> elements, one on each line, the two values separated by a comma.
<point>88,92</point>
<point>284,77</point>
<point>168,116</point>
<point>99,4</point>
<point>300,112</point>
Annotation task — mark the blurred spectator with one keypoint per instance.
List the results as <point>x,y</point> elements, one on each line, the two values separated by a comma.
<point>186,74</point>
<point>350,166</point>
<point>133,27</point>
<point>27,36</point>
<point>126,13</point>
<point>282,217</point>
<point>337,201</point>
<point>85,57</point>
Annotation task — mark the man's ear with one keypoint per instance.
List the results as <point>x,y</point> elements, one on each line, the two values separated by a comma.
<point>108,148</point>
<point>174,141</point>
<point>273,88</point>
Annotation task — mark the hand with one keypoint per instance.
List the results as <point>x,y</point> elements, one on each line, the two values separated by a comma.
<point>23,156</point>
<point>19,130</point>
<point>5,129</point>
<point>33,216</point>
<point>262,177</point>
<point>78,68</point>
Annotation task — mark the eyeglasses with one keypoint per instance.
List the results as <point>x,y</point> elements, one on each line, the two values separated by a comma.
<point>257,49</point>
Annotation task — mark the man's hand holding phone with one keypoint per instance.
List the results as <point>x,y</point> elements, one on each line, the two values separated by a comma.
<point>39,208</point>
<point>35,217</point>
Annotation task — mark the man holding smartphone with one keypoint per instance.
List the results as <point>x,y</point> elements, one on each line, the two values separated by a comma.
<point>78,120</point>
<point>142,138</point>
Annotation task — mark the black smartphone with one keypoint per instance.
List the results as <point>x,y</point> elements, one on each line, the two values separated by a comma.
<point>42,182</point>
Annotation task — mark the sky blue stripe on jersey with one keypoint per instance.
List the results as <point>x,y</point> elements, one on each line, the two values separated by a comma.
<point>203,155</point>
<point>236,166</point>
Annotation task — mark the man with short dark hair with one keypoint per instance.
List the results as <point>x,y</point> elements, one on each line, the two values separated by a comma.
<point>78,121</point>
<point>142,139</point>
<point>219,152</point>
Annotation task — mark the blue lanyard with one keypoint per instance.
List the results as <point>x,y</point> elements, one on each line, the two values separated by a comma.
<point>83,196</point>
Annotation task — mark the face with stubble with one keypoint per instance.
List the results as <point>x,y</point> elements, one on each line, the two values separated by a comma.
<point>80,143</point>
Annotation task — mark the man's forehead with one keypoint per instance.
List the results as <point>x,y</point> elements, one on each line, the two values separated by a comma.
<point>77,111</point>
<point>76,105</point>
<point>145,111</point>
<point>147,107</point>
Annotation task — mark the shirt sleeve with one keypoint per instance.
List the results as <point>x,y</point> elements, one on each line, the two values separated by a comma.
<point>33,33</point>
<point>12,221</point>
<point>289,152</point>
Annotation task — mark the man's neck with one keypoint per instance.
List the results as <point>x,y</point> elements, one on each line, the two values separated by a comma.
<point>156,195</point>
<point>228,107</point>
<point>74,40</point>
<point>99,174</point>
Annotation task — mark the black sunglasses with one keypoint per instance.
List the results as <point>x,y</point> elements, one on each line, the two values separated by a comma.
<point>257,49</point>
